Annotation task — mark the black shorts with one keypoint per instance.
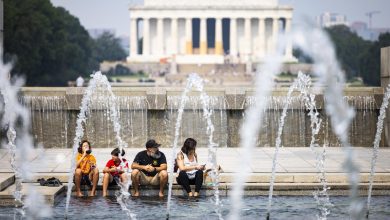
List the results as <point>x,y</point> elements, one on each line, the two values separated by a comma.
<point>84,180</point>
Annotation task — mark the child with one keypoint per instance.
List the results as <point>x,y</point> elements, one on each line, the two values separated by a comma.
<point>86,169</point>
<point>115,170</point>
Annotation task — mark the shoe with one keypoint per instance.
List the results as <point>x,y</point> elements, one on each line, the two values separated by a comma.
<point>53,182</point>
<point>41,181</point>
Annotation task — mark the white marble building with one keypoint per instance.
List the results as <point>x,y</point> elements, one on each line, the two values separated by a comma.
<point>207,31</point>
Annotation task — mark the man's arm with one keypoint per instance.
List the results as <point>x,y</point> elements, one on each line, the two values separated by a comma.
<point>162,166</point>
<point>148,168</point>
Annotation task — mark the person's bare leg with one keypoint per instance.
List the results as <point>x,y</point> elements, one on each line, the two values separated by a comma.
<point>77,179</point>
<point>106,181</point>
<point>196,194</point>
<point>135,178</point>
<point>163,182</point>
<point>94,176</point>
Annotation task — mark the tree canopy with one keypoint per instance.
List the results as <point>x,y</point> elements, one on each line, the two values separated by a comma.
<point>107,47</point>
<point>49,46</point>
<point>350,49</point>
<point>358,58</point>
<point>371,61</point>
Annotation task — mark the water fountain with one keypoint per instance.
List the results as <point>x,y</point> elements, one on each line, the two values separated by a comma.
<point>317,45</point>
<point>20,145</point>
<point>302,84</point>
<point>196,82</point>
<point>99,90</point>
<point>381,117</point>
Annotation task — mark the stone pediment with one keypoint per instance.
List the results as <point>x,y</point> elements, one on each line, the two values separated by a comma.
<point>214,3</point>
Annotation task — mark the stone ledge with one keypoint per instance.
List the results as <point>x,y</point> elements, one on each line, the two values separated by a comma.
<point>51,194</point>
<point>6,179</point>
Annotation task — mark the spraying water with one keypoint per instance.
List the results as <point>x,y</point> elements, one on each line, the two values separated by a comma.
<point>97,85</point>
<point>16,119</point>
<point>379,129</point>
<point>303,84</point>
<point>195,81</point>
<point>249,129</point>
<point>316,44</point>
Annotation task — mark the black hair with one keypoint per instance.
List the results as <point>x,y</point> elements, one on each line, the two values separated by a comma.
<point>189,145</point>
<point>116,151</point>
<point>80,149</point>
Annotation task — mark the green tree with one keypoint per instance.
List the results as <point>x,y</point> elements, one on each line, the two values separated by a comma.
<point>370,64</point>
<point>350,49</point>
<point>48,45</point>
<point>108,48</point>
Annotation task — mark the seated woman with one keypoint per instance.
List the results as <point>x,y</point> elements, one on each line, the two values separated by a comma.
<point>190,172</point>
<point>86,169</point>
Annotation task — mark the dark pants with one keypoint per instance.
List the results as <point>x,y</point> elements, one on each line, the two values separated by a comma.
<point>185,182</point>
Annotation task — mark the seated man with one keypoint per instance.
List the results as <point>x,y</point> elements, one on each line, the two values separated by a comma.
<point>149,168</point>
<point>114,171</point>
<point>86,170</point>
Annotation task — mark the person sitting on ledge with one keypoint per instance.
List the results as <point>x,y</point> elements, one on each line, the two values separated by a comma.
<point>86,169</point>
<point>115,171</point>
<point>190,172</point>
<point>149,168</point>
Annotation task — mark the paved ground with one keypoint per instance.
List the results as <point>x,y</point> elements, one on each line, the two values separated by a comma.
<point>296,170</point>
<point>290,160</point>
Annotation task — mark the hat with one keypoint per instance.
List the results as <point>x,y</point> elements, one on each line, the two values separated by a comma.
<point>152,143</point>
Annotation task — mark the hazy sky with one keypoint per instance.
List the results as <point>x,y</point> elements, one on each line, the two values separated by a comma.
<point>114,14</point>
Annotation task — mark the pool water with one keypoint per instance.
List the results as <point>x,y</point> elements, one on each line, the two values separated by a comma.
<point>254,207</point>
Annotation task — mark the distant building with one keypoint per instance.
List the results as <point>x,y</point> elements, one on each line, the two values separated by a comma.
<point>362,30</point>
<point>206,32</point>
<point>328,19</point>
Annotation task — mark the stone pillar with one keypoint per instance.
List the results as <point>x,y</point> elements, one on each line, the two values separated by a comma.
<point>385,80</point>
<point>248,37</point>
<point>189,36</point>
<point>233,36</point>
<point>218,36</point>
<point>146,40</point>
<point>289,50</point>
<point>203,36</point>
<point>275,31</point>
<point>160,36</point>
<point>174,36</point>
<point>262,48</point>
<point>133,37</point>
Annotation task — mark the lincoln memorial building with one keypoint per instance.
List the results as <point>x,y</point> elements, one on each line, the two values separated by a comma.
<point>207,31</point>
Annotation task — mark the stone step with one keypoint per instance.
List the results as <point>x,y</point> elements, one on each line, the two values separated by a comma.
<point>286,189</point>
<point>6,179</point>
<point>262,177</point>
<point>51,194</point>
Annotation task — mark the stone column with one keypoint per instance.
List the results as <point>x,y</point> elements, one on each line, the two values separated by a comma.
<point>218,36</point>
<point>174,36</point>
<point>146,43</point>
<point>203,36</point>
<point>160,36</point>
<point>133,37</point>
<point>385,80</point>
<point>275,31</point>
<point>289,51</point>
<point>233,36</point>
<point>189,36</point>
<point>248,36</point>
<point>262,48</point>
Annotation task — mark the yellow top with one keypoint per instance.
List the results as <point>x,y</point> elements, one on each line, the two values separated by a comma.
<point>86,163</point>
